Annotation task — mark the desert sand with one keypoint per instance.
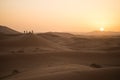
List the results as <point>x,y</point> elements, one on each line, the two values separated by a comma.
<point>59,56</point>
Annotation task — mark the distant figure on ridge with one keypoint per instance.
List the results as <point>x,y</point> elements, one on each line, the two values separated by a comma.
<point>24,32</point>
<point>32,32</point>
<point>29,32</point>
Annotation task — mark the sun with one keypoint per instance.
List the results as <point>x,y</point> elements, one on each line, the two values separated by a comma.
<point>102,29</point>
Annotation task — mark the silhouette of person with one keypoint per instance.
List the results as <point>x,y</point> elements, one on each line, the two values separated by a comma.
<point>32,32</point>
<point>24,32</point>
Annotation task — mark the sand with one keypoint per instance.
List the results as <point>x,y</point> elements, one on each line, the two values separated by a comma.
<point>59,56</point>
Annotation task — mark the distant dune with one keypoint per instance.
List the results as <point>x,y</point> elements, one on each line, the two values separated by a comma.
<point>32,40</point>
<point>62,41</point>
<point>6,30</point>
<point>107,33</point>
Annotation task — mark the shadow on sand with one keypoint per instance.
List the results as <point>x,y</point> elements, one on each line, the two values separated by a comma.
<point>14,72</point>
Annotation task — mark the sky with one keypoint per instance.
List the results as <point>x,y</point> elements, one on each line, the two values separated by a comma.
<point>60,15</point>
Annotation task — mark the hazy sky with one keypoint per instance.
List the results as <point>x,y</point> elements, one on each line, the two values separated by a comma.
<point>60,15</point>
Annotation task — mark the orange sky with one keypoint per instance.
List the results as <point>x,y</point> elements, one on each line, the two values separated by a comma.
<point>60,15</point>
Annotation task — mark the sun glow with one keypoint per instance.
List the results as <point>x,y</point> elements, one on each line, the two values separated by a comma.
<point>61,15</point>
<point>102,29</point>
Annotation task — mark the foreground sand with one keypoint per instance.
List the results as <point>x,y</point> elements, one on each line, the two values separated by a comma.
<point>60,66</point>
<point>59,57</point>
<point>75,74</point>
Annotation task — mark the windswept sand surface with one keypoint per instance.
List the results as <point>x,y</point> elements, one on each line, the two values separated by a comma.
<point>101,74</point>
<point>59,56</point>
<point>53,66</point>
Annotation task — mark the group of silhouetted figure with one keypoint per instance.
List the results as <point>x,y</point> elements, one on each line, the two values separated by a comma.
<point>28,32</point>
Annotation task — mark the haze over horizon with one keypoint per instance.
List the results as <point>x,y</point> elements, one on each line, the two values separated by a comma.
<point>60,15</point>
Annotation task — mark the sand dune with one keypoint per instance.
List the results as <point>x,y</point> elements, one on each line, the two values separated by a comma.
<point>105,33</point>
<point>59,56</point>
<point>60,41</point>
<point>6,30</point>
<point>31,40</point>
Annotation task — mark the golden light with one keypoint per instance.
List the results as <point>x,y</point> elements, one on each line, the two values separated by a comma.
<point>102,29</point>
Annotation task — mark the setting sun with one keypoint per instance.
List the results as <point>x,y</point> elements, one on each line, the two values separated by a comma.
<point>102,29</point>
